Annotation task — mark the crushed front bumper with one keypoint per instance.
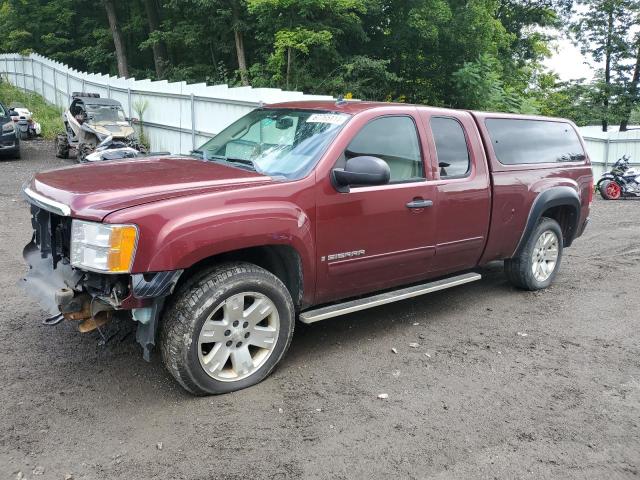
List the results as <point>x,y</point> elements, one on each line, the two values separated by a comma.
<point>92,298</point>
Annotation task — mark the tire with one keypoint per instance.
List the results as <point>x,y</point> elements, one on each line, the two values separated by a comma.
<point>24,135</point>
<point>62,146</point>
<point>82,151</point>
<point>526,270</point>
<point>13,154</point>
<point>204,299</point>
<point>610,190</point>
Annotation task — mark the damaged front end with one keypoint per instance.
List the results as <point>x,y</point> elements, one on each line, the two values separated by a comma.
<point>65,282</point>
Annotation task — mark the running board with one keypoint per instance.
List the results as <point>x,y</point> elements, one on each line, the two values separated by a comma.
<point>311,316</point>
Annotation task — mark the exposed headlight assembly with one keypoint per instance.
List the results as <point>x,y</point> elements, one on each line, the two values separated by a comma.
<point>8,127</point>
<point>103,247</point>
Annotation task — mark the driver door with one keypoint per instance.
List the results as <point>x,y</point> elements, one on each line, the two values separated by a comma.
<point>378,237</point>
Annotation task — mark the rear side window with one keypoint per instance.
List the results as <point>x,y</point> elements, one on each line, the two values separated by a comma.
<point>533,141</point>
<point>451,147</point>
<point>394,140</point>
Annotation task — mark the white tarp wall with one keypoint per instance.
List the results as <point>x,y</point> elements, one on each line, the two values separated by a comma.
<point>605,148</point>
<point>178,116</point>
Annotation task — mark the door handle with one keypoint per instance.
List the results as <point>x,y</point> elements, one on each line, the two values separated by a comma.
<point>420,203</point>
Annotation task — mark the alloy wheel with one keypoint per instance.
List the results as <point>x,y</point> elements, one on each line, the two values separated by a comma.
<point>545,256</point>
<point>239,336</point>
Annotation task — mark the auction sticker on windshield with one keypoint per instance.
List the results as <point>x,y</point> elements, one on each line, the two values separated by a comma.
<point>327,118</point>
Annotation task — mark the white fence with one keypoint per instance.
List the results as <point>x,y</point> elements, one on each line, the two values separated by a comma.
<point>181,116</point>
<point>178,117</point>
<point>605,148</point>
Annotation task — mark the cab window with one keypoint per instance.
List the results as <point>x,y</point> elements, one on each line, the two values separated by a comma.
<point>394,140</point>
<point>451,147</point>
<point>519,141</point>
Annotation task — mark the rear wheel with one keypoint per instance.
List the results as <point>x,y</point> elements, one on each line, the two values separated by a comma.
<point>62,146</point>
<point>610,190</point>
<point>537,265</point>
<point>226,329</point>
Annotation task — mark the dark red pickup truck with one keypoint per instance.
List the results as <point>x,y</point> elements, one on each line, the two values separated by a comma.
<point>301,210</point>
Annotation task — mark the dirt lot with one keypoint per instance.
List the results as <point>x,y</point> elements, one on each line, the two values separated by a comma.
<point>505,384</point>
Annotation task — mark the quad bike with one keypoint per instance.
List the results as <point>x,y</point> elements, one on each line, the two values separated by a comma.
<point>620,181</point>
<point>89,121</point>
<point>26,126</point>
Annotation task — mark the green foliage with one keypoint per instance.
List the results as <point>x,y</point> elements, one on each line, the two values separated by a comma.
<point>483,54</point>
<point>604,30</point>
<point>49,116</point>
<point>480,87</point>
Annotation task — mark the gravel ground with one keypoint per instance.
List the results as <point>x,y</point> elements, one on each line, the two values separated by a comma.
<point>504,384</point>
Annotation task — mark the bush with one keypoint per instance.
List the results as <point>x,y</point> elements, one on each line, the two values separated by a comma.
<point>49,116</point>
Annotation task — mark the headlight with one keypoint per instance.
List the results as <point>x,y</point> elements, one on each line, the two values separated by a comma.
<point>7,127</point>
<point>103,247</point>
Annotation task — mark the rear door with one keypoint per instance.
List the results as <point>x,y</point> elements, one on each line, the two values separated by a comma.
<point>373,238</point>
<point>463,189</point>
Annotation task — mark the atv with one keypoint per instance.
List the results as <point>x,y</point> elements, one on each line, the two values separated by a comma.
<point>88,121</point>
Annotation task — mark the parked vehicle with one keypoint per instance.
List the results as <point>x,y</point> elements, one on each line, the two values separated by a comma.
<point>27,127</point>
<point>620,181</point>
<point>307,210</point>
<point>89,121</point>
<point>9,139</point>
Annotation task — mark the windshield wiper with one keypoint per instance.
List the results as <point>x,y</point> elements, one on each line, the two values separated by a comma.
<point>241,161</point>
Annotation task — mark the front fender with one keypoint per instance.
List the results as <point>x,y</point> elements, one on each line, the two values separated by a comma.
<point>606,176</point>
<point>176,235</point>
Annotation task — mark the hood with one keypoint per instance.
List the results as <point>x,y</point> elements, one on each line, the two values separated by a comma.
<point>113,129</point>
<point>92,191</point>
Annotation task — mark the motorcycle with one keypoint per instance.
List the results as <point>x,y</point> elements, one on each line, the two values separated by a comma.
<point>26,126</point>
<point>621,181</point>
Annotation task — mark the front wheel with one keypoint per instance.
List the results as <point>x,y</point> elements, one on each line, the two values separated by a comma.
<point>82,151</point>
<point>226,329</point>
<point>537,264</point>
<point>610,190</point>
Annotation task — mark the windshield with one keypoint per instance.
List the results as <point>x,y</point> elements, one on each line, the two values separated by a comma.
<point>276,142</point>
<point>98,114</point>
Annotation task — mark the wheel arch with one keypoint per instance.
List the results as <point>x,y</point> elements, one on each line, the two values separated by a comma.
<point>284,261</point>
<point>561,203</point>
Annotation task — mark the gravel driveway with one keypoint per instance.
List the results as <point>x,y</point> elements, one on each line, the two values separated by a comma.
<point>503,383</point>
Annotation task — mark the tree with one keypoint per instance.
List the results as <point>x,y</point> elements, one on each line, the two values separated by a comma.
<point>160,57</point>
<point>602,29</point>
<point>459,53</point>
<point>631,97</point>
<point>121,54</point>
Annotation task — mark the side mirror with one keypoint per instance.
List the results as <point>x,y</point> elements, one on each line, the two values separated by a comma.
<point>363,170</point>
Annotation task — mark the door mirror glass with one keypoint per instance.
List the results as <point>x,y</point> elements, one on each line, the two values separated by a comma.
<point>363,170</point>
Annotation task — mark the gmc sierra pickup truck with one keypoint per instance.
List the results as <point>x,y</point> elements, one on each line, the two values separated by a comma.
<point>304,210</point>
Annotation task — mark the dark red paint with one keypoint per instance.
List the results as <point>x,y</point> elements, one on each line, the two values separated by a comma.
<point>188,209</point>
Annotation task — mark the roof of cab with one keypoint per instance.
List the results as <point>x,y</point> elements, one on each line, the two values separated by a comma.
<point>98,101</point>
<point>347,106</point>
<point>356,106</point>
